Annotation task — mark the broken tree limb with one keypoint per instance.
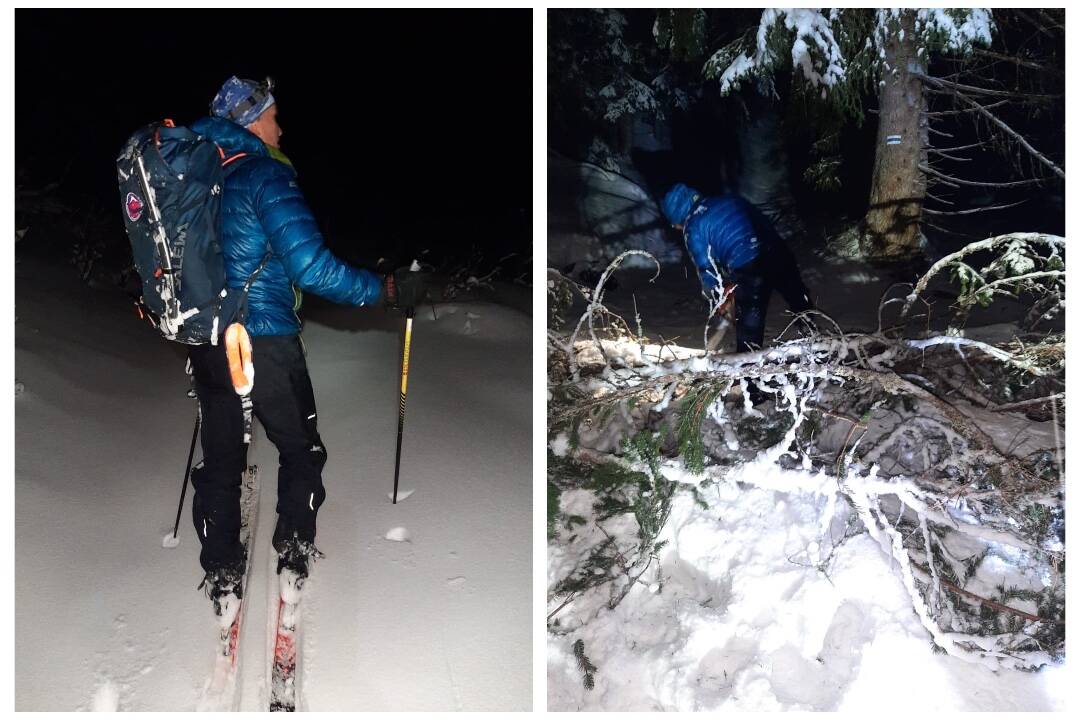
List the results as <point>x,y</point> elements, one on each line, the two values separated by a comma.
<point>950,180</point>
<point>935,198</point>
<point>975,90</point>
<point>1026,403</point>
<point>996,120</point>
<point>1055,242</point>
<point>965,427</point>
<point>984,601</point>
<point>947,156</point>
<point>1018,61</point>
<point>962,111</point>
<point>973,210</point>
<point>960,147</point>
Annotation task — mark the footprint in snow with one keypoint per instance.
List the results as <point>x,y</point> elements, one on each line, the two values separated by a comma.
<point>399,534</point>
<point>456,582</point>
<point>469,328</point>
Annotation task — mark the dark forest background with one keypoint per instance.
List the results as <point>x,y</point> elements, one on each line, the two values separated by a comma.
<point>828,147</point>
<point>407,135</point>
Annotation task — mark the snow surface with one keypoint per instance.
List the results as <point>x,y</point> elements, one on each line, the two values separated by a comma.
<point>108,619</point>
<point>738,619</point>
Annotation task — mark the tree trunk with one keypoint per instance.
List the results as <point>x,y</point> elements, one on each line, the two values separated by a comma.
<point>898,187</point>
<point>763,163</point>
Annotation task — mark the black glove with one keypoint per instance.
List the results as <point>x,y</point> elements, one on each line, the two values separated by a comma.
<point>404,289</point>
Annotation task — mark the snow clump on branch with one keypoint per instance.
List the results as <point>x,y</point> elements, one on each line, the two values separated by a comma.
<point>816,37</point>
<point>815,51</point>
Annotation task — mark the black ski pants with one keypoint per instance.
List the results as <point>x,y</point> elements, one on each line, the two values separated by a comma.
<point>284,403</point>
<point>776,269</point>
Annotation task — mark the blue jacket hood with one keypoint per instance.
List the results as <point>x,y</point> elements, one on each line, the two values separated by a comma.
<point>678,203</point>
<point>229,136</point>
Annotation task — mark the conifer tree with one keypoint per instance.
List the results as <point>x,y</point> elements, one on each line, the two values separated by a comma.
<point>837,54</point>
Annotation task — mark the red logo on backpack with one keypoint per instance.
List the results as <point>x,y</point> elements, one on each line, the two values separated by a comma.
<point>134,206</point>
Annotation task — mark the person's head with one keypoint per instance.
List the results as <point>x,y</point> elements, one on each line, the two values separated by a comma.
<point>266,127</point>
<point>251,105</point>
<point>677,204</point>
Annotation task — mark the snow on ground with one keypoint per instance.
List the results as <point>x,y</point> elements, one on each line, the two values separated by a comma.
<point>107,618</point>
<point>848,291</point>
<point>736,619</point>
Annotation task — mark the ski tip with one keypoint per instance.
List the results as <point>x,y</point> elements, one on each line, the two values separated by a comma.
<point>170,541</point>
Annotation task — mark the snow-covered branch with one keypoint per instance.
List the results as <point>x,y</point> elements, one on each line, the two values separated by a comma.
<point>927,479</point>
<point>1016,264</point>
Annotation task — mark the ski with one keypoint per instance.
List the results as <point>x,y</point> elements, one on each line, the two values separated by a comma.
<point>284,686</point>
<point>220,690</point>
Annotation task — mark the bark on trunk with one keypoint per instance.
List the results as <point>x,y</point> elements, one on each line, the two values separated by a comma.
<point>898,187</point>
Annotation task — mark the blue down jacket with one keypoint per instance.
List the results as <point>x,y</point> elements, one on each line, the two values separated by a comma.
<point>724,230</point>
<point>264,211</point>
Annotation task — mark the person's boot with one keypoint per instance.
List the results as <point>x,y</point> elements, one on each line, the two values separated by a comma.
<point>295,554</point>
<point>225,588</point>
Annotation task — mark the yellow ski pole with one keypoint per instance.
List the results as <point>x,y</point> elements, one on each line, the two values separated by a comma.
<point>404,384</point>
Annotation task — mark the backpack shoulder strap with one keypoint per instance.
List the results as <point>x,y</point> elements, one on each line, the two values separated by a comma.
<point>225,161</point>
<point>242,309</point>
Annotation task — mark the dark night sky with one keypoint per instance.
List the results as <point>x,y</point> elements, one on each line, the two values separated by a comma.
<point>407,127</point>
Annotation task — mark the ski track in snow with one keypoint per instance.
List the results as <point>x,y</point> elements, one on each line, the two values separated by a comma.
<point>101,436</point>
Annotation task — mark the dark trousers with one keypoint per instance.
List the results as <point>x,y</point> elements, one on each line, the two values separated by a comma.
<point>775,269</point>
<point>284,403</point>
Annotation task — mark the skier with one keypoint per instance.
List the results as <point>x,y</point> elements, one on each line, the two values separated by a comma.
<point>265,217</point>
<point>732,243</point>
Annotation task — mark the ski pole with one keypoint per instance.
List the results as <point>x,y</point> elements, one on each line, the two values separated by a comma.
<point>404,383</point>
<point>187,474</point>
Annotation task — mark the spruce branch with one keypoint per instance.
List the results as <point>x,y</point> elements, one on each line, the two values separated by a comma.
<point>584,664</point>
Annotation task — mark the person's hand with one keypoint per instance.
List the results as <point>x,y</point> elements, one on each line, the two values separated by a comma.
<point>404,288</point>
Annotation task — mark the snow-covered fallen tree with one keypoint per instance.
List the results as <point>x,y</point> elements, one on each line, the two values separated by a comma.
<point>908,437</point>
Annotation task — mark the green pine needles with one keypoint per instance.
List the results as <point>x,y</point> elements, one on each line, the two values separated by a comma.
<point>647,496</point>
<point>695,405</point>
<point>588,670</point>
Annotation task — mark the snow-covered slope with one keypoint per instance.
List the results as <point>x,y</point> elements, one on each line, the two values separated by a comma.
<point>106,618</point>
